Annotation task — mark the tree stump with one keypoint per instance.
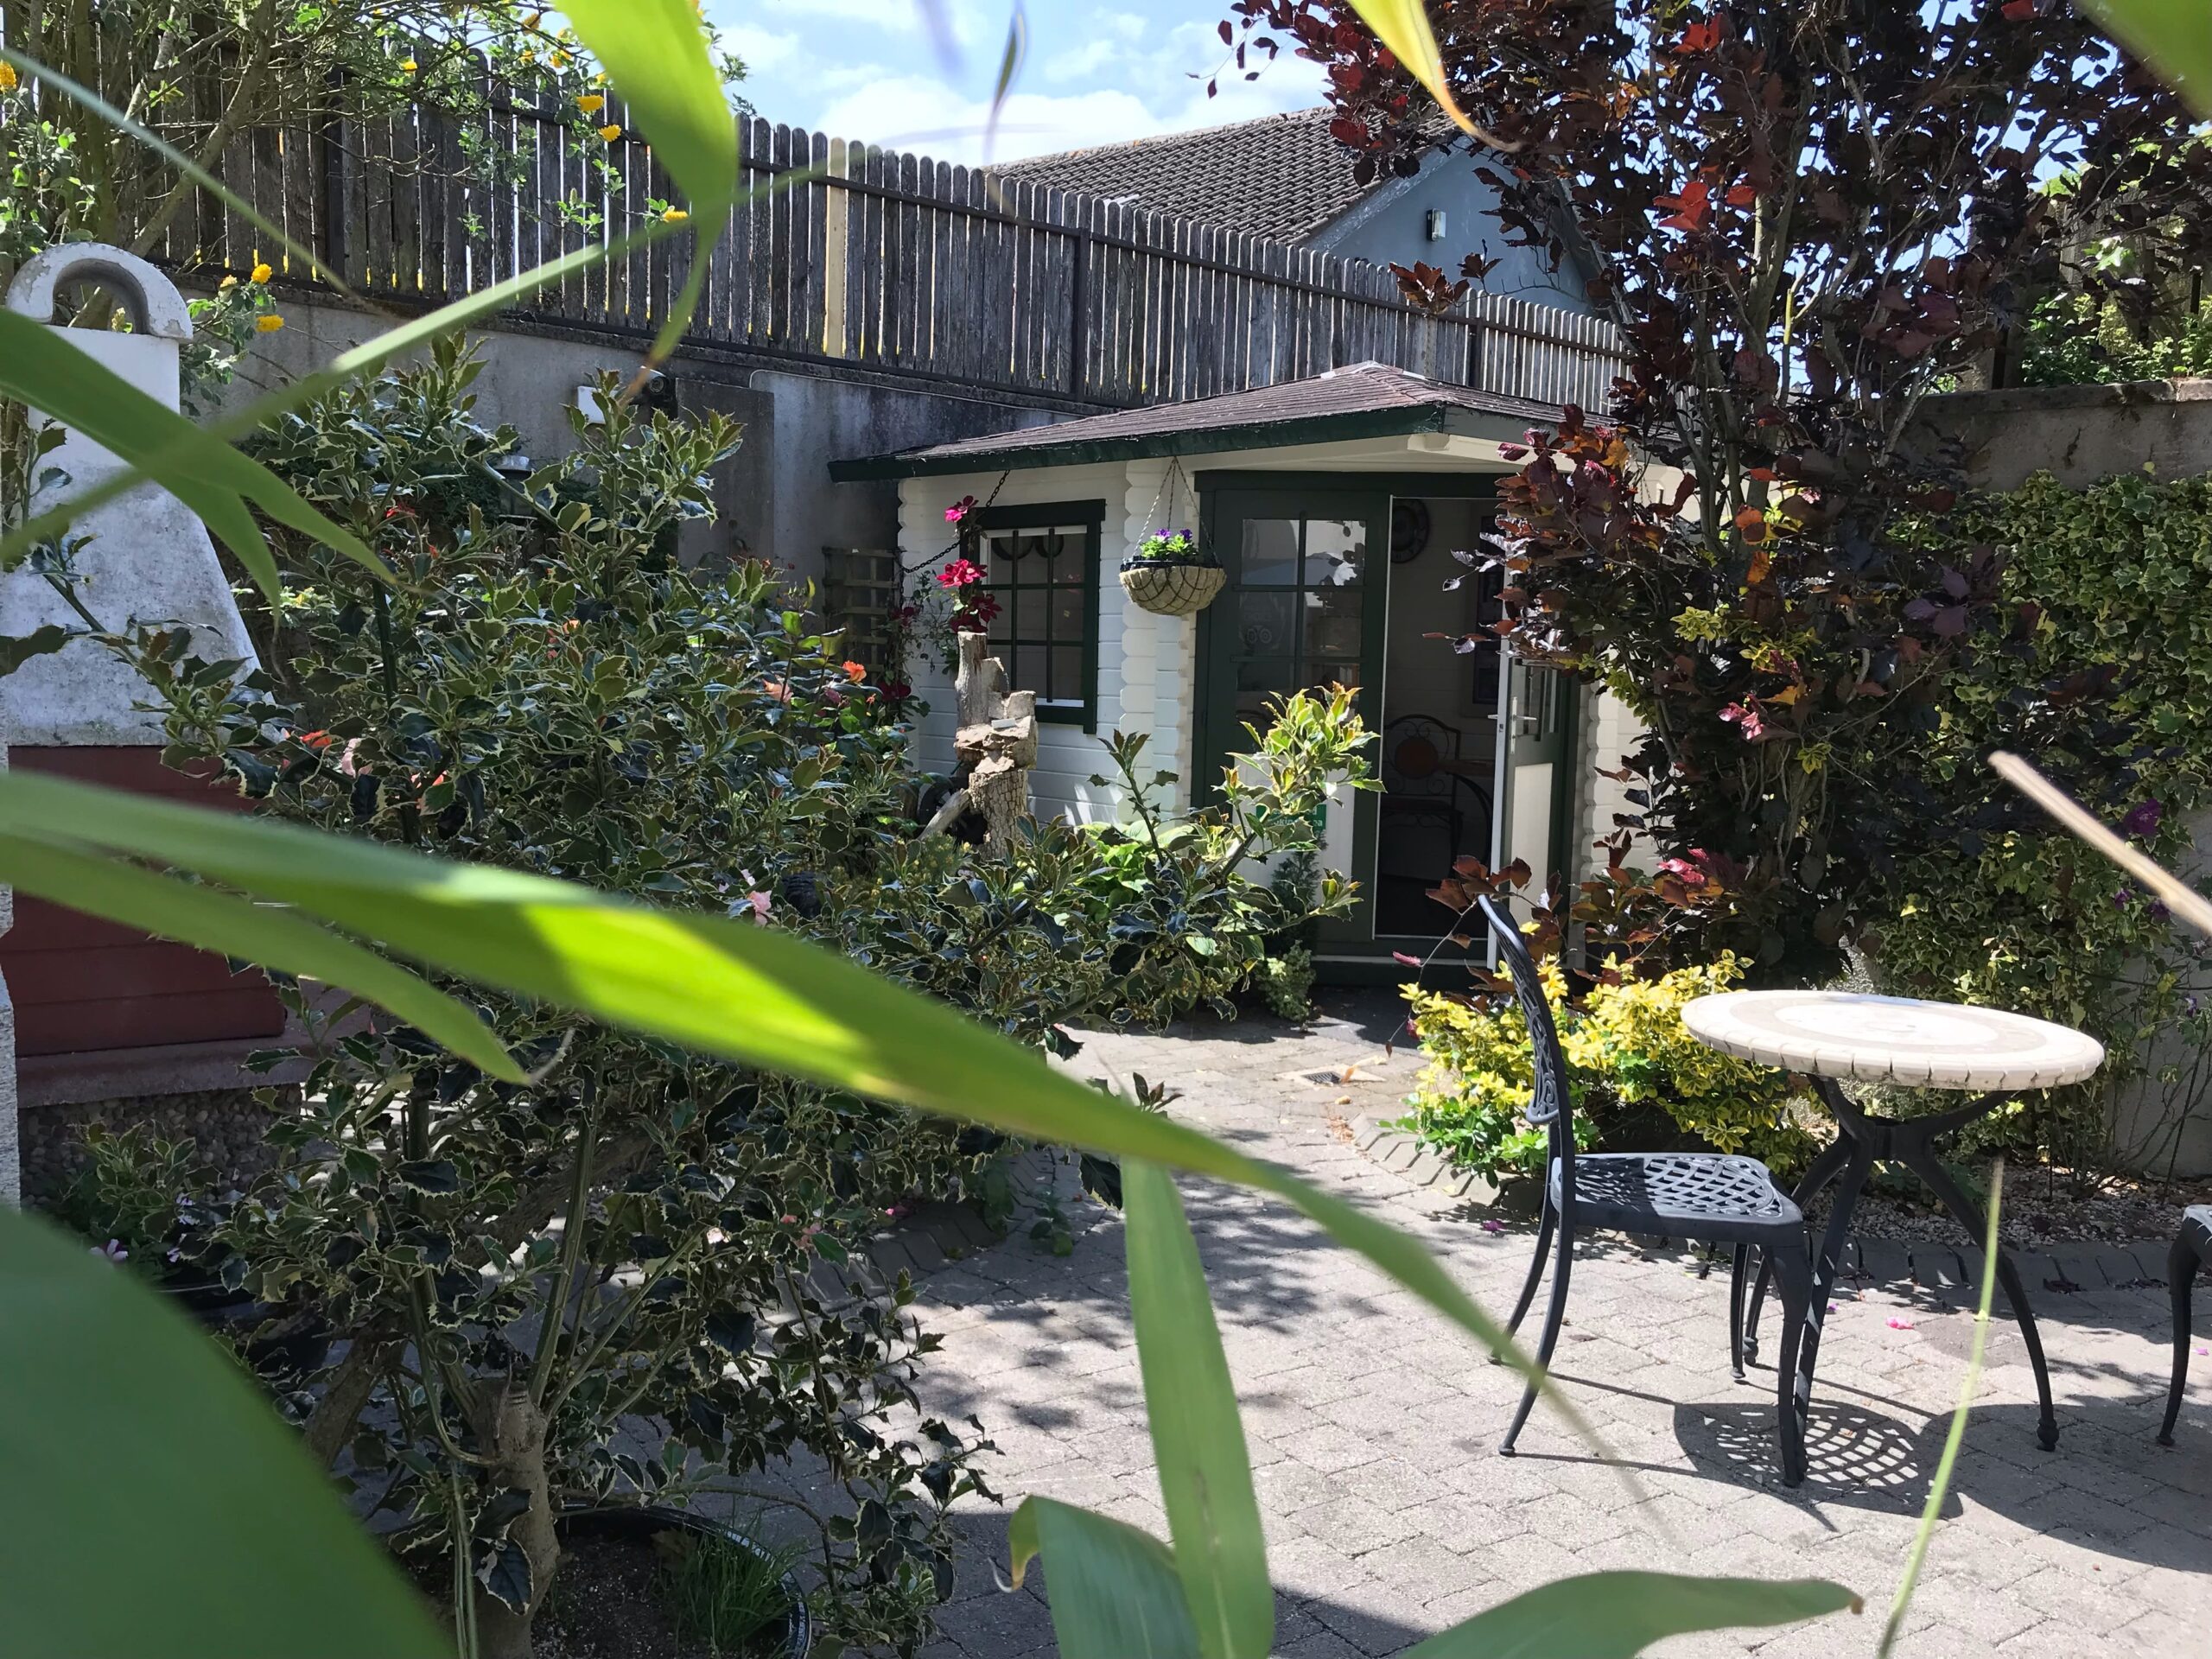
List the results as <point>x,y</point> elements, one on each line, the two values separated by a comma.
<point>995,745</point>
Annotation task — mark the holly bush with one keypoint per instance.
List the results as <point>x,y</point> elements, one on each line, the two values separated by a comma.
<point>544,687</point>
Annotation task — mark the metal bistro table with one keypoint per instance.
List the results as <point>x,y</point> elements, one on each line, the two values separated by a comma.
<point>1829,1036</point>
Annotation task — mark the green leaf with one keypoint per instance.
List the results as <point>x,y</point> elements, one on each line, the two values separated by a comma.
<point>1113,1589</point>
<point>2173,36</point>
<point>655,52</point>
<point>1616,1615</point>
<point>751,994</point>
<point>1205,1474</point>
<point>155,1505</point>
<point>275,938</point>
<point>1402,26</point>
<point>16,649</point>
<point>1940,1486</point>
<point>176,158</point>
<point>38,368</point>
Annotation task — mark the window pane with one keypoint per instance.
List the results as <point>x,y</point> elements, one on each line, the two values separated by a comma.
<point>1267,674</point>
<point>1067,613</point>
<point>1267,623</point>
<point>1074,556</point>
<point>998,560</point>
<point>1029,668</point>
<point>1333,632</point>
<point>1270,552</point>
<point>1028,613</point>
<point>1324,675</point>
<point>1336,552</point>
<point>1067,673</point>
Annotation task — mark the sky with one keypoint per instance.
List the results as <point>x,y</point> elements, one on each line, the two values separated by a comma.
<point>1095,72</point>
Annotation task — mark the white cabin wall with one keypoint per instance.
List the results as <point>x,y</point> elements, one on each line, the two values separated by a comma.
<point>1128,649</point>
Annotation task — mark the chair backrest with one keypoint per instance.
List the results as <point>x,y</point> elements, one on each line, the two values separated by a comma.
<point>1551,1105</point>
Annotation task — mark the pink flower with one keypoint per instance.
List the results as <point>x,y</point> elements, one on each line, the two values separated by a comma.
<point>1896,1323</point>
<point>1490,1226</point>
<point>1748,717</point>
<point>960,573</point>
<point>112,1250</point>
<point>960,510</point>
<point>760,902</point>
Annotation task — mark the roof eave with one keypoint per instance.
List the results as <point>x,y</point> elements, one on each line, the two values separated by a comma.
<point>1195,440</point>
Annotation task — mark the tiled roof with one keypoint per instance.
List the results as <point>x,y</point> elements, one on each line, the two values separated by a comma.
<point>1281,177</point>
<point>1372,397</point>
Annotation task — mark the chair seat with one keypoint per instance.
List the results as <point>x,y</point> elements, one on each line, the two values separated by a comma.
<point>1708,1196</point>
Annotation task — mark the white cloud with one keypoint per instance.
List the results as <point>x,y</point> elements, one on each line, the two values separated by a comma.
<point>761,48</point>
<point>919,112</point>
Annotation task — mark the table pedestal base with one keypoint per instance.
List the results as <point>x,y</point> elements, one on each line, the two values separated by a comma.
<point>1865,1141</point>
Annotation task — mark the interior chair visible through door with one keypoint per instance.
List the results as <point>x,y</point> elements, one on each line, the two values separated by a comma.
<point>1705,1196</point>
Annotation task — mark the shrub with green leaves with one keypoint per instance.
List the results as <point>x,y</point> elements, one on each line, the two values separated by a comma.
<point>1191,918</point>
<point>544,687</point>
<point>1625,1047</point>
<point>2106,681</point>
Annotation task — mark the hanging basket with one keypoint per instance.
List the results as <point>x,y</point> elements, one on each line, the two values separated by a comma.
<point>1172,589</point>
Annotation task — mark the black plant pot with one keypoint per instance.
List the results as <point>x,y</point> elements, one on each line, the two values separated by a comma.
<point>642,1522</point>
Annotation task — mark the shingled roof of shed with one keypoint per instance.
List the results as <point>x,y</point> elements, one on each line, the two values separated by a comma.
<point>1362,400</point>
<point>1281,177</point>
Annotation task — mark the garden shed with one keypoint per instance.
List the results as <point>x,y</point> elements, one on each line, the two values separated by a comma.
<point>1334,504</point>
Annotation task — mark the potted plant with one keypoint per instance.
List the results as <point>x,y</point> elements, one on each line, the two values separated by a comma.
<point>1170,575</point>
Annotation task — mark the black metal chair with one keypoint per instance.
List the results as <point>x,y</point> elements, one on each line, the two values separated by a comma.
<point>1709,1197</point>
<point>2192,1250</point>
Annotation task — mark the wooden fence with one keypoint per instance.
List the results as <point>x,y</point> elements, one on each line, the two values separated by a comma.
<point>847,255</point>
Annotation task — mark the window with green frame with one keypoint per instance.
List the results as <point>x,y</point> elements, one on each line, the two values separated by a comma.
<point>1040,564</point>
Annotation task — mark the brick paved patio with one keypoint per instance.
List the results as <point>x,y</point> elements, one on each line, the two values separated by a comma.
<point>1372,1424</point>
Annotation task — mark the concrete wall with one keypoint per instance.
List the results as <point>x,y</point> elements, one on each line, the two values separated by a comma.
<point>2078,434</point>
<point>1391,226</point>
<point>776,498</point>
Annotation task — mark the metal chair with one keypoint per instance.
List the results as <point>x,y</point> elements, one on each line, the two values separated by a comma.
<point>1710,1198</point>
<point>2192,1250</point>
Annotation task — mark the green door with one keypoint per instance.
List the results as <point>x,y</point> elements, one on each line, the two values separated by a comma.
<point>1535,785</point>
<point>1303,609</point>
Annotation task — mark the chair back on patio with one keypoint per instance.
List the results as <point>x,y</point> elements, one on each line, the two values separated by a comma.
<point>1551,1104</point>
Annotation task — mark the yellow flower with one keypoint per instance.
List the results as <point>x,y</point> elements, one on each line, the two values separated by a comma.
<point>227,283</point>
<point>531,21</point>
<point>262,273</point>
<point>674,216</point>
<point>560,60</point>
<point>7,76</point>
<point>610,132</point>
<point>591,102</point>
<point>270,324</point>
<point>408,64</point>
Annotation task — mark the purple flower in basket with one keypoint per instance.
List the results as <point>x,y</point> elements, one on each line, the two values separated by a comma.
<point>2142,819</point>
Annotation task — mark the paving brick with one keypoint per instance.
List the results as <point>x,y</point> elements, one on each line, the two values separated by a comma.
<point>1373,1423</point>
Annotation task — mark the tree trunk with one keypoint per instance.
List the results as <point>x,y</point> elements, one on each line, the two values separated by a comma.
<point>515,1441</point>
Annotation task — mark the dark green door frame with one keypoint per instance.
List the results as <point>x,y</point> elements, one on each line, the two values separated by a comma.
<point>1226,499</point>
<point>1224,508</point>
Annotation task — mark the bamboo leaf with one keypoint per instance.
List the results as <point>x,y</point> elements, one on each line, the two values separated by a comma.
<point>1403,25</point>
<point>2173,36</point>
<point>749,994</point>
<point>655,52</point>
<point>1113,1589</point>
<point>1617,1615</point>
<point>1197,1436</point>
<point>176,158</point>
<point>275,938</point>
<point>155,1505</point>
<point>38,368</point>
<point>1939,1487</point>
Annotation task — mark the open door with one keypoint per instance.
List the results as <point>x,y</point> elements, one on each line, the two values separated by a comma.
<point>1535,785</point>
<point>1303,609</point>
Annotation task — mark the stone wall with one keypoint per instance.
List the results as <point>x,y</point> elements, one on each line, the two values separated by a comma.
<point>228,1126</point>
